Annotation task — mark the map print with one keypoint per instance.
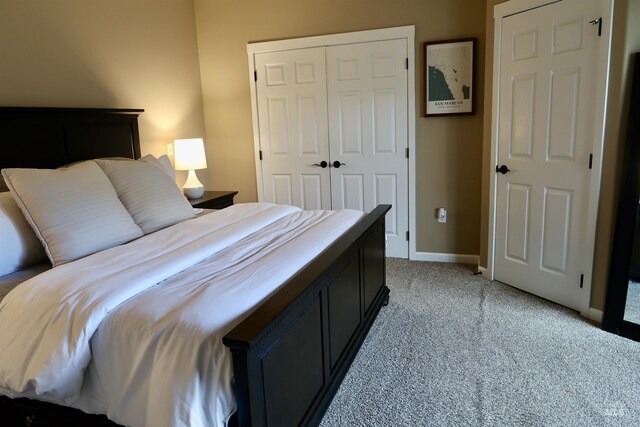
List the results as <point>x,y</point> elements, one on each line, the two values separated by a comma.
<point>449,77</point>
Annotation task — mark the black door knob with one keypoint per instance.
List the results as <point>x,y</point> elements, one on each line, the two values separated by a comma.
<point>337,164</point>
<point>502,169</point>
<point>323,164</point>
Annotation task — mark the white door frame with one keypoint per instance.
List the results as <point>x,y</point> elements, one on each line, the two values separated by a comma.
<point>407,33</point>
<point>504,10</point>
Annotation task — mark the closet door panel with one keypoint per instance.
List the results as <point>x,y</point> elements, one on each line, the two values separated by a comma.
<point>292,106</point>
<point>350,126</point>
<point>351,189</point>
<point>368,122</point>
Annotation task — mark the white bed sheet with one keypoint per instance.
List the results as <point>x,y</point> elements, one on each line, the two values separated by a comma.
<point>157,357</point>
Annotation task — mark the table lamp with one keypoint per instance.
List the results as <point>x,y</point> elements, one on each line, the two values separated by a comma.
<point>189,156</point>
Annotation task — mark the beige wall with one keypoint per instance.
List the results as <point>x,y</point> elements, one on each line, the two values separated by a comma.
<point>448,149</point>
<point>106,54</point>
<point>626,39</point>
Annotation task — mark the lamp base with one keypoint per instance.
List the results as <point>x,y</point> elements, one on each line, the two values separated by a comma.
<point>193,193</point>
<point>193,188</point>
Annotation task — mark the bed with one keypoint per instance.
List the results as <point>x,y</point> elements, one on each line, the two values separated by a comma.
<point>290,354</point>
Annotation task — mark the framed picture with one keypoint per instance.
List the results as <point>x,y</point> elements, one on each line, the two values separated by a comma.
<point>448,77</point>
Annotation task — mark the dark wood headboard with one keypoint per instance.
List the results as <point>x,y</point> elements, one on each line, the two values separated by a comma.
<point>53,137</point>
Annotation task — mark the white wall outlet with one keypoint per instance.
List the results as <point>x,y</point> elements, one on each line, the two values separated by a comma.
<point>170,150</point>
<point>442,215</point>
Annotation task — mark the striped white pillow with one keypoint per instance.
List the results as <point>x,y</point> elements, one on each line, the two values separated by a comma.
<point>152,198</point>
<point>162,162</point>
<point>74,211</point>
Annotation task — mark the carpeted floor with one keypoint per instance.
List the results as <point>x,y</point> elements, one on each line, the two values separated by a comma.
<point>453,349</point>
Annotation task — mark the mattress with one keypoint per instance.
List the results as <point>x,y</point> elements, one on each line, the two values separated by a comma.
<point>135,332</point>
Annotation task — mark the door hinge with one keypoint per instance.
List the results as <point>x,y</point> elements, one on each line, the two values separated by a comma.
<point>255,75</point>
<point>581,280</point>
<point>407,236</point>
<point>597,22</point>
<point>260,154</point>
<point>407,152</point>
<point>406,63</point>
<point>590,160</point>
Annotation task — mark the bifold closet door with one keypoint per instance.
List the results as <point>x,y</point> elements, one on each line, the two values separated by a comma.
<point>292,105</point>
<point>367,99</point>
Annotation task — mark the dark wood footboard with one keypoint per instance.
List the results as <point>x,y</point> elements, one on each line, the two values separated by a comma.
<point>292,353</point>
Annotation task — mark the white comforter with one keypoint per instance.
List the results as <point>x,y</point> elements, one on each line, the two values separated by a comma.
<point>135,332</point>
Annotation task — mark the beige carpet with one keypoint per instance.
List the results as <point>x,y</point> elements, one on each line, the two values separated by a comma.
<point>454,349</point>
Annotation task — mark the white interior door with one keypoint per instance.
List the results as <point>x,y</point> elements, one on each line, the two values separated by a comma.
<point>367,98</point>
<point>292,109</point>
<point>548,68</point>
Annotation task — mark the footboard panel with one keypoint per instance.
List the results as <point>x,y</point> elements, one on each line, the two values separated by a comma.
<point>292,353</point>
<point>298,354</point>
<point>345,309</point>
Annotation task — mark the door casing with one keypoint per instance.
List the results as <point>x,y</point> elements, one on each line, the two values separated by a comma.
<point>407,33</point>
<point>602,78</point>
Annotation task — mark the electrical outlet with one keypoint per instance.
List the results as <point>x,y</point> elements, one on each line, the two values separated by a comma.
<point>170,150</point>
<point>442,215</point>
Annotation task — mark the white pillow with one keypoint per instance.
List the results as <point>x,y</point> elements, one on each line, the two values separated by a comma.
<point>19,245</point>
<point>167,164</point>
<point>151,160</point>
<point>162,162</point>
<point>152,198</point>
<point>74,211</point>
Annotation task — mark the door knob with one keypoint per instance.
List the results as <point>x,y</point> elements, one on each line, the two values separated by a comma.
<point>323,164</point>
<point>337,164</point>
<point>502,169</point>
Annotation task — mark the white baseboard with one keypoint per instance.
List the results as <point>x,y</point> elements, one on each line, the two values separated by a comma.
<point>594,314</point>
<point>440,257</point>
<point>483,270</point>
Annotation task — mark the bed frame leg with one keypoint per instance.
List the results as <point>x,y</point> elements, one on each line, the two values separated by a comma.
<point>386,301</point>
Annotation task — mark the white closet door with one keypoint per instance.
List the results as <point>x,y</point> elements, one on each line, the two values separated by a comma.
<point>292,105</point>
<point>367,96</point>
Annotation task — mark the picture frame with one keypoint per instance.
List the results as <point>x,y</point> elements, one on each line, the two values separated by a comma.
<point>449,77</point>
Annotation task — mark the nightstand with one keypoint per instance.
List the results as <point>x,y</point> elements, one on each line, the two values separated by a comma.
<point>214,200</point>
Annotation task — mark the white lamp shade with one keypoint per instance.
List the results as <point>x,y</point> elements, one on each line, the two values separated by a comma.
<point>189,154</point>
